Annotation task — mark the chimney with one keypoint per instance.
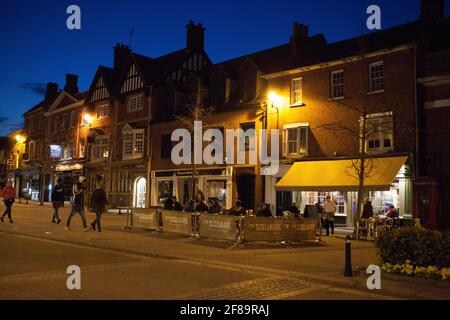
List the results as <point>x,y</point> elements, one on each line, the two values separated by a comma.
<point>71,83</point>
<point>195,37</point>
<point>432,10</point>
<point>121,54</point>
<point>52,91</point>
<point>300,33</point>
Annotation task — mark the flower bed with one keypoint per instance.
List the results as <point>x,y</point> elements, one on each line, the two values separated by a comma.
<point>415,252</point>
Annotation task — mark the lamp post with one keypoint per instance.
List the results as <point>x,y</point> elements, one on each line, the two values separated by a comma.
<point>273,99</point>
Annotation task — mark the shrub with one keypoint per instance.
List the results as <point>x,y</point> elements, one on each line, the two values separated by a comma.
<point>420,247</point>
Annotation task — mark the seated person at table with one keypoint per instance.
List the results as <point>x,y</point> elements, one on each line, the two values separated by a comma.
<point>392,213</point>
<point>265,211</point>
<point>169,203</point>
<point>294,209</point>
<point>238,210</point>
<point>176,205</point>
<point>202,207</point>
<point>214,206</point>
<point>190,207</point>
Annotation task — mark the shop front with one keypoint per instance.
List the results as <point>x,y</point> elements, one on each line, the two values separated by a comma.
<point>389,182</point>
<point>29,182</point>
<point>215,183</point>
<point>69,173</point>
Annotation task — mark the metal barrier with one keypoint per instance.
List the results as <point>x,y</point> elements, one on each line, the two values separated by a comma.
<point>147,218</point>
<point>219,227</point>
<point>263,229</point>
<point>179,222</point>
<point>301,229</point>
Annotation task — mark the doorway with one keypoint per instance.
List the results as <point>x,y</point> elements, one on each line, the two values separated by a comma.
<point>140,192</point>
<point>246,190</point>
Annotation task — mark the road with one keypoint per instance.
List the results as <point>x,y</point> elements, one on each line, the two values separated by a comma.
<point>138,264</point>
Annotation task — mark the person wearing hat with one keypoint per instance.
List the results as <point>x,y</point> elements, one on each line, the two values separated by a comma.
<point>78,204</point>
<point>57,200</point>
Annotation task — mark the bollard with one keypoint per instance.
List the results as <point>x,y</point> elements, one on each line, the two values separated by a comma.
<point>348,258</point>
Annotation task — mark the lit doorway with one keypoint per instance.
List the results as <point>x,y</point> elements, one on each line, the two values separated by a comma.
<point>140,192</point>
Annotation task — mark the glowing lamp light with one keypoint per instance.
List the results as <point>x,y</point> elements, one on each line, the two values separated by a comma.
<point>275,100</point>
<point>87,119</point>
<point>19,138</point>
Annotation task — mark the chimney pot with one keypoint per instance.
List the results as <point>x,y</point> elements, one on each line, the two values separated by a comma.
<point>71,83</point>
<point>432,9</point>
<point>121,54</point>
<point>195,36</point>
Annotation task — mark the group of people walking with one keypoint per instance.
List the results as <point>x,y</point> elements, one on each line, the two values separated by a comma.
<point>98,203</point>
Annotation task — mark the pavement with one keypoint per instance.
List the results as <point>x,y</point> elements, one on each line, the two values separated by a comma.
<point>138,264</point>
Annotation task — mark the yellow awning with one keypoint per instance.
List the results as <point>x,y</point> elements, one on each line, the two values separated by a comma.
<point>340,175</point>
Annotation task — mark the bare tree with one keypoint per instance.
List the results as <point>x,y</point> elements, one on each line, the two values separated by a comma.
<point>196,111</point>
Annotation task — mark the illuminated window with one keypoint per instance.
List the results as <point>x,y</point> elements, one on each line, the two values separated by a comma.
<point>133,144</point>
<point>379,133</point>
<point>337,84</point>
<point>376,76</point>
<point>295,140</point>
<point>100,148</point>
<point>297,91</point>
<point>103,111</point>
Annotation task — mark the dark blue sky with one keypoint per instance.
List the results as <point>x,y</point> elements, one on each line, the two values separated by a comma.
<point>36,47</point>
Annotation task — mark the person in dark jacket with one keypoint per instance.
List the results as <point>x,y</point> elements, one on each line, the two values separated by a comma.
<point>176,205</point>
<point>78,204</point>
<point>214,206</point>
<point>294,209</point>
<point>238,210</point>
<point>265,211</point>
<point>169,203</point>
<point>367,209</point>
<point>202,207</point>
<point>99,201</point>
<point>57,200</point>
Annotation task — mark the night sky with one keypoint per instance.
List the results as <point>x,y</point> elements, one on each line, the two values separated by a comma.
<point>36,47</point>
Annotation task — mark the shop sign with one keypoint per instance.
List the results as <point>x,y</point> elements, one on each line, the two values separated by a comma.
<point>69,167</point>
<point>219,227</point>
<point>177,222</point>
<point>145,218</point>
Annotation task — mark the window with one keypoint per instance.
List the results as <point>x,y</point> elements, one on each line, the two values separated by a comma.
<point>296,140</point>
<point>136,103</point>
<point>337,84</point>
<point>82,147</point>
<point>379,133</point>
<point>133,144</point>
<point>103,111</point>
<point>100,148</point>
<point>72,119</point>
<point>376,77</point>
<point>32,150</point>
<point>166,146</point>
<point>244,143</point>
<point>296,92</point>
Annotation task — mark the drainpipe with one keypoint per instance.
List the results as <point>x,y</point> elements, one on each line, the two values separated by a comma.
<point>416,105</point>
<point>149,150</point>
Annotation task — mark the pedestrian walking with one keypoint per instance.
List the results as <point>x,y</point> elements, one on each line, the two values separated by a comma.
<point>57,200</point>
<point>329,207</point>
<point>9,197</point>
<point>99,201</point>
<point>78,204</point>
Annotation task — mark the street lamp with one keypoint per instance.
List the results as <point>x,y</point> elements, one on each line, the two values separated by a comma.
<point>275,100</point>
